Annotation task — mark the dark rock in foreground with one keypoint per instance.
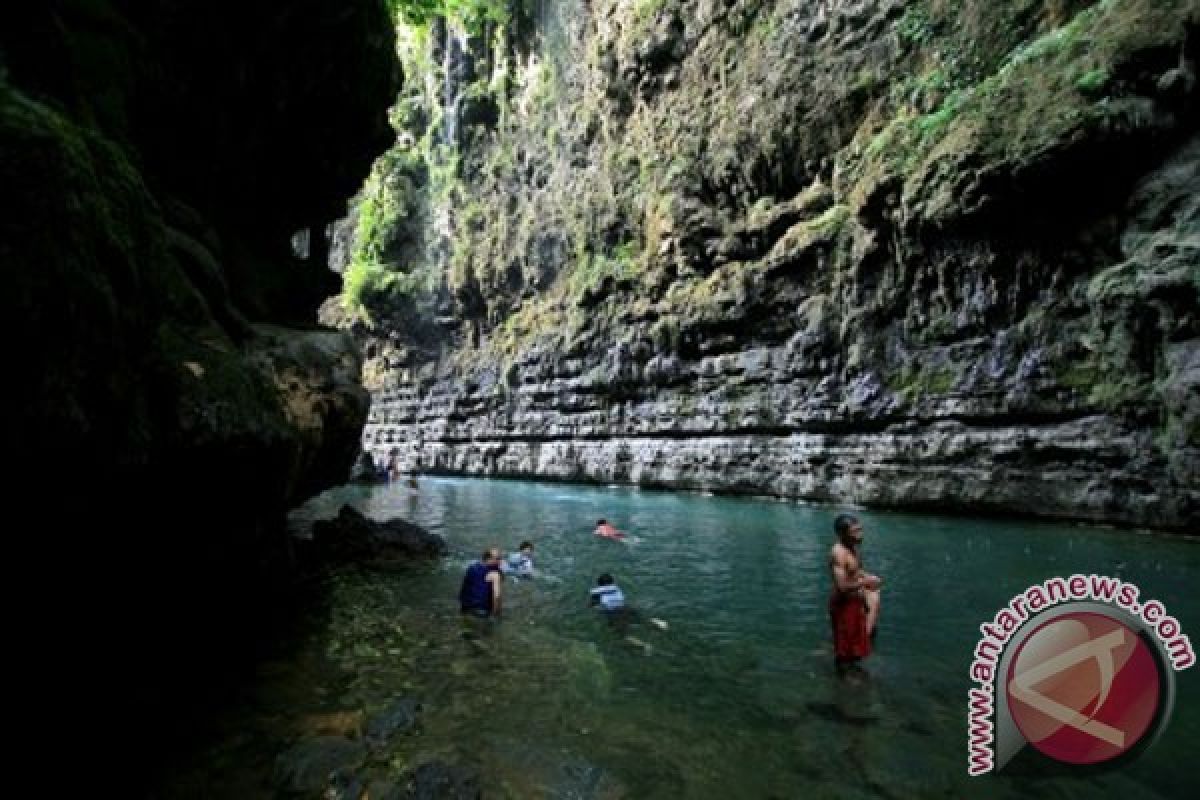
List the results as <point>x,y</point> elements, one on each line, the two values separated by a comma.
<point>351,536</point>
<point>399,717</point>
<point>366,471</point>
<point>308,767</point>
<point>437,780</point>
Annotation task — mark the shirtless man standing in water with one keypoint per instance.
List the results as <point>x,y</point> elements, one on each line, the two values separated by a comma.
<point>854,600</point>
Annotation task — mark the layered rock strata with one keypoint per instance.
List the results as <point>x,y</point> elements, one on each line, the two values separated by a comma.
<point>932,254</point>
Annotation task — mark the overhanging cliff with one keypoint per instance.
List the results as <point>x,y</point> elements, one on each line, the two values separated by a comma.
<point>171,395</point>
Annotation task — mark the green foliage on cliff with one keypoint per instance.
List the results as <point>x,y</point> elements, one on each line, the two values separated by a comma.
<point>471,12</point>
<point>593,270</point>
<point>1045,94</point>
<point>1093,80</point>
<point>643,10</point>
<point>382,220</point>
<point>419,178</point>
<point>916,381</point>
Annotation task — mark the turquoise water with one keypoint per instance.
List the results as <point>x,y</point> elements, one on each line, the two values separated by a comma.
<point>737,698</point>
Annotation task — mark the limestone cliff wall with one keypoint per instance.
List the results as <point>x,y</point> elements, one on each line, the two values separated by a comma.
<point>939,253</point>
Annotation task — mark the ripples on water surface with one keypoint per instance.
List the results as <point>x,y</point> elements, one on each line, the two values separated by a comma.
<point>737,699</point>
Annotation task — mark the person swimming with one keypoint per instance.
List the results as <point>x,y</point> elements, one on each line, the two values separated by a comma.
<point>608,598</point>
<point>520,563</point>
<point>603,528</point>
<point>607,595</point>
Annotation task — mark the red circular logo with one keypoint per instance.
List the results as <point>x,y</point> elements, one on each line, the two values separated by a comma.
<point>1083,688</point>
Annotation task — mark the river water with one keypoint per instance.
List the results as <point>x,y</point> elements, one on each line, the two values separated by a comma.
<point>736,698</point>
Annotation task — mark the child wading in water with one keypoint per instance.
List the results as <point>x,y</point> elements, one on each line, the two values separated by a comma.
<point>520,563</point>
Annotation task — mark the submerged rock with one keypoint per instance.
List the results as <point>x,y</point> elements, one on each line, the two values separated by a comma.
<point>437,780</point>
<point>586,781</point>
<point>399,717</point>
<point>310,766</point>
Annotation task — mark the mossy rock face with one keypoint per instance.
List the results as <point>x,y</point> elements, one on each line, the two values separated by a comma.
<point>1028,126</point>
<point>161,156</point>
<point>134,378</point>
<point>957,220</point>
<point>130,363</point>
<point>85,257</point>
<point>136,237</point>
<point>180,87</point>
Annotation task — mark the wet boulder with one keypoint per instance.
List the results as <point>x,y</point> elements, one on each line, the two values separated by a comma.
<point>351,536</point>
<point>366,471</point>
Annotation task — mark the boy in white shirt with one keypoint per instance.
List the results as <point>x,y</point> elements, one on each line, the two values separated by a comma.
<point>519,563</point>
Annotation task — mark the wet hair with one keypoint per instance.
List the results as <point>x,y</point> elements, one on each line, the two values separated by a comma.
<point>605,580</point>
<point>526,544</point>
<point>843,524</point>
<point>490,553</point>
<point>601,522</point>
